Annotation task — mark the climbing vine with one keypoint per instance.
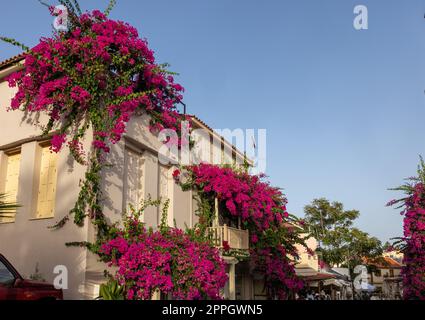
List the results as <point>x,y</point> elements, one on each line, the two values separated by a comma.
<point>262,210</point>
<point>412,244</point>
<point>168,260</point>
<point>90,81</point>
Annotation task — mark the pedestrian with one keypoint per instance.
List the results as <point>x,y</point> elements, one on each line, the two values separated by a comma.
<point>310,296</point>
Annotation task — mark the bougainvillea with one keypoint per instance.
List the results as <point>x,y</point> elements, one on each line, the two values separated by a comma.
<point>96,75</point>
<point>167,260</point>
<point>93,79</point>
<point>413,243</point>
<point>262,210</point>
<point>101,73</point>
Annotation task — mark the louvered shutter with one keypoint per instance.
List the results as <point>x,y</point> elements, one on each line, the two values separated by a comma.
<point>12,182</point>
<point>47,184</point>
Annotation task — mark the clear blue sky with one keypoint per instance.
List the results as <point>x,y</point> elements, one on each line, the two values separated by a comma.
<point>344,109</point>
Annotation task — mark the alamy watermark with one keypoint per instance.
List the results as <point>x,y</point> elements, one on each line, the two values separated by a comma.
<point>361,20</point>
<point>223,146</point>
<point>361,281</point>
<point>61,279</point>
<point>60,22</point>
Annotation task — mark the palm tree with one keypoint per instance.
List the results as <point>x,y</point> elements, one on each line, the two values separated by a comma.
<point>7,209</point>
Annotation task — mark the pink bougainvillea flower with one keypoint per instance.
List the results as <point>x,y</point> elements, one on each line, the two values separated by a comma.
<point>99,71</point>
<point>176,174</point>
<point>413,270</point>
<point>226,246</point>
<point>167,260</point>
<point>262,208</point>
<point>57,142</point>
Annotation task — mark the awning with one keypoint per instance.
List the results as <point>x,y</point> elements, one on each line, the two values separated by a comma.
<point>318,277</point>
<point>332,282</point>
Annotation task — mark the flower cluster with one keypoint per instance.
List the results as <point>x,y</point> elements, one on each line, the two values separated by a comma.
<point>167,260</point>
<point>101,73</point>
<point>262,209</point>
<point>244,195</point>
<point>412,244</point>
<point>95,76</point>
<point>414,236</point>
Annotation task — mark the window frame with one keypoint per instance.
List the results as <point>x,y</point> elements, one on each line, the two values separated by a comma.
<point>4,171</point>
<point>37,182</point>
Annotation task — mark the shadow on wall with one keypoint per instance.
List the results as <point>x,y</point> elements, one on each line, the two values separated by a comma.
<point>123,181</point>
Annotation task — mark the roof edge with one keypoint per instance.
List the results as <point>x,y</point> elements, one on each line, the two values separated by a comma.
<point>11,61</point>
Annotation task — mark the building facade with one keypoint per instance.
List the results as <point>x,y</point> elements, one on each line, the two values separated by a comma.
<point>385,276</point>
<point>46,185</point>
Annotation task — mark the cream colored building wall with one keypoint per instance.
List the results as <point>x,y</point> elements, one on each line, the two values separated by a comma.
<point>307,264</point>
<point>377,280</point>
<point>385,273</point>
<point>156,182</point>
<point>27,242</point>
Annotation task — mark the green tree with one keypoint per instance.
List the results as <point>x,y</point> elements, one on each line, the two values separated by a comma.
<point>340,243</point>
<point>362,245</point>
<point>329,220</point>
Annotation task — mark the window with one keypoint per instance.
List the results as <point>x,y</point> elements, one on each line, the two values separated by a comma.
<point>163,188</point>
<point>11,182</point>
<point>47,184</point>
<point>163,181</point>
<point>133,163</point>
<point>6,277</point>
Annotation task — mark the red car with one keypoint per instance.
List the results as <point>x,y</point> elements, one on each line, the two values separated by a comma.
<point>14,287</point>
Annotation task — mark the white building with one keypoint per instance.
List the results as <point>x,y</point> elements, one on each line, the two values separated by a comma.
<point>47,185</point>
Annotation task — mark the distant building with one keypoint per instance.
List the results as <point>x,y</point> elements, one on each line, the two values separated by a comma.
<point>307,263</point>
<point>385,276</point>
<point>318,276</point>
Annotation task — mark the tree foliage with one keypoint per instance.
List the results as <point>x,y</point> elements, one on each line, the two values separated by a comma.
<point>340,243</point>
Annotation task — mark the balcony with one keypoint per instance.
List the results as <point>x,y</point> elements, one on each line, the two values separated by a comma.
<point>236,238</point>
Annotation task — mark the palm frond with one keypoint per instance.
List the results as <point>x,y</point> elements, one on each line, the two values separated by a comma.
<point>421,169</point>
<point>111,5</point>
<point>7,209</point>
<point>44,3</point>
<point>77,7</point>
<point>69,5</point>
<point>15,43</point>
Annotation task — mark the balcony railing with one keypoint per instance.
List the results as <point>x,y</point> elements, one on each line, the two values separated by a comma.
<point>236,238</point>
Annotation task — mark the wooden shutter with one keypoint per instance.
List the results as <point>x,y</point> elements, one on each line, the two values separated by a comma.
<point>163,182</point>
<point>164,178</point>
<point>12,182</point>
<point>133,179</point>
<point>47,184</point>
